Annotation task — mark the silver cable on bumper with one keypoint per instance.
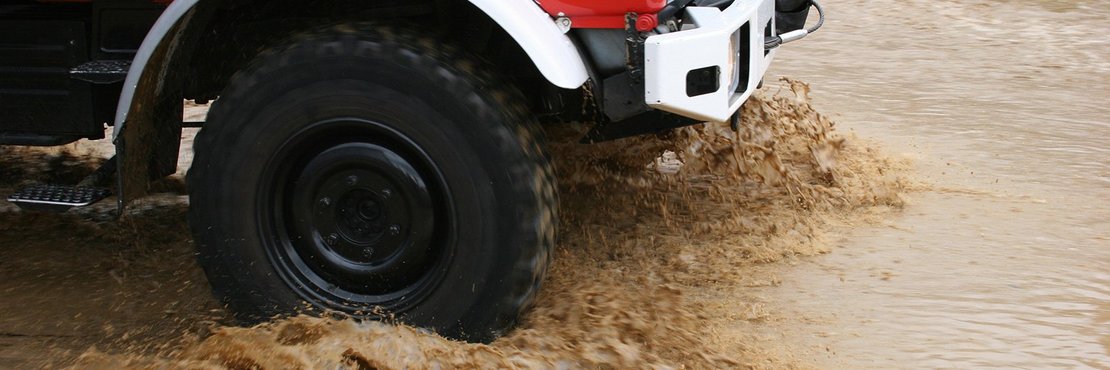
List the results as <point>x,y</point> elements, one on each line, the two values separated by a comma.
<point>775,41</point>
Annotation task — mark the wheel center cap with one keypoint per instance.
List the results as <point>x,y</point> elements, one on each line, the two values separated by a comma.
<point>370,210</point>
<point>363,217</point>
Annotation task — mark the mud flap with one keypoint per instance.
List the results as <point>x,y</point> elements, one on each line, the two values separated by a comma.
<point>148,152</point>
<point>148,142</point>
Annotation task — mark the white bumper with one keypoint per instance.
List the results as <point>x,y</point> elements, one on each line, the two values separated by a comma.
<point>670,57</point>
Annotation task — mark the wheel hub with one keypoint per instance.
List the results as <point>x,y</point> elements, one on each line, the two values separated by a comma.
<point>365,218</point>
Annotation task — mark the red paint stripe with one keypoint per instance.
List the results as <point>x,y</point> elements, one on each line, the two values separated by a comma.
<point>600,13</point>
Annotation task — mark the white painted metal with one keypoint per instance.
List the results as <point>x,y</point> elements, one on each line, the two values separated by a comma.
<point>551,51</point>
<point>174,12</point>
<point>668,57</point>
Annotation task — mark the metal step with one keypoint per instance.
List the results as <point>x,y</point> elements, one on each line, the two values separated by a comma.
<point>102,72</point>
<point>56,198</point>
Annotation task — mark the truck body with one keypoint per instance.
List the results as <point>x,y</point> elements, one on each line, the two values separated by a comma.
<point>380,196</point>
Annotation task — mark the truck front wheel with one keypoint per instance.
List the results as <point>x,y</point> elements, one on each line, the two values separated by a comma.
<point>371,172</point>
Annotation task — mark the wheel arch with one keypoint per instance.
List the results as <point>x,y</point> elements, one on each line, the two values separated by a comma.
<point>148,114</point>
<point>176,15</point>
<point>552,51</point>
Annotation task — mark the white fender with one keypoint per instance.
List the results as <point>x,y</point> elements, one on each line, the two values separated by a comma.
<point>551,50</point>
<point>174,12</point>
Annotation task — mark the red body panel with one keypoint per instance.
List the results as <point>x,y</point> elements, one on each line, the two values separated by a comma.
<point>600,13</point>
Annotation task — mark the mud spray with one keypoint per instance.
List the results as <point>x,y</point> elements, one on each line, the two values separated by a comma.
<point>659,239</point>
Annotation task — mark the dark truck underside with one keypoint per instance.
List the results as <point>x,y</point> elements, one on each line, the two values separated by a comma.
<point>62,66</point>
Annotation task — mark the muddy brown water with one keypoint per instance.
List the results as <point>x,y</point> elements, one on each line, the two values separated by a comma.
<point>992,252</point>
<point>1004,259</point>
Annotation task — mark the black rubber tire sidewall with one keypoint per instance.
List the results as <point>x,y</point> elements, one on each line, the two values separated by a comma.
<point>494,174</point>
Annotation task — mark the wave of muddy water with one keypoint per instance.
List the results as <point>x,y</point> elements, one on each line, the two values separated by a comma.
<point>656,267</point>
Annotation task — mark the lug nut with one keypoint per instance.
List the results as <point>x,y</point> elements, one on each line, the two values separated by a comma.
<point>352,180</point>
<point>332,239</point>
<point>386,193</point>
<point>368,252</point>
<point>395,230</point>
<point>325,202</point>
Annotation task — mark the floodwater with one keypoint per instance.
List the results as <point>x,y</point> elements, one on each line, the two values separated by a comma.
<point>1004,259</point>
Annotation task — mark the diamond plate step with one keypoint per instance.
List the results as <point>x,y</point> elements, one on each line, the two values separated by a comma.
<point>102,71</point>
<point>56,198</point>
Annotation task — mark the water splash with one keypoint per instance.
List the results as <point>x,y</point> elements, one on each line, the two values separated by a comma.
<point>658,239</point>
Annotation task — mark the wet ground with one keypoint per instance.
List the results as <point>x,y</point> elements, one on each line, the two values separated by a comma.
<point>994,251</point>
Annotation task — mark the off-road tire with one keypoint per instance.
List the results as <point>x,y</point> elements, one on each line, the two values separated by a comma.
<point>441,110</point>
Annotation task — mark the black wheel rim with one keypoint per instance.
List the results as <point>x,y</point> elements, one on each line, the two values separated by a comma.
<point>356,217</point>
